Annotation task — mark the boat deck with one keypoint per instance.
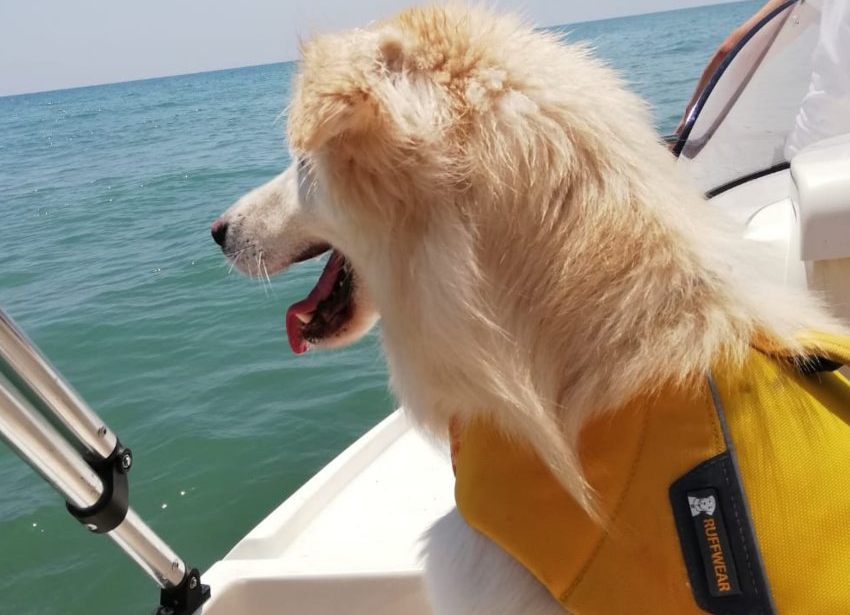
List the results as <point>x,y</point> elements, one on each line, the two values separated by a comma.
<point>350,536</point>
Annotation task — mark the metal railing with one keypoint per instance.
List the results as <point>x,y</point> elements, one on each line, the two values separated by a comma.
<point>89,471</point>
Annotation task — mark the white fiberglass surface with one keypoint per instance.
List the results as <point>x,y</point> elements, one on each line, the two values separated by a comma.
<point>350,536</point>
<point>743,202</point>
<point>364,512</point>
<point>763,210</point>
<point>250,590</point>
<point>375,522</point>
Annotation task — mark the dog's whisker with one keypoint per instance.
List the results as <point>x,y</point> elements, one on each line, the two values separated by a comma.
<point>260,278</point>
<point>234,259</point>
<point>266,274</point>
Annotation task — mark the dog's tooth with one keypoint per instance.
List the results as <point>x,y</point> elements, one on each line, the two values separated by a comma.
<point>305,318</point>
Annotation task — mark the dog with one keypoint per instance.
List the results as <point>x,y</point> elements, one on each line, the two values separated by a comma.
<point>500,200</point>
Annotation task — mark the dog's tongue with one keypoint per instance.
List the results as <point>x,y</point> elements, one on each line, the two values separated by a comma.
<point>322,290</point>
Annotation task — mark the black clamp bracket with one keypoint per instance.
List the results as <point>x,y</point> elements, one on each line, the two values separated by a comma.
<point>110,510</point>
<point>186,598</point>
<point>111,507</point>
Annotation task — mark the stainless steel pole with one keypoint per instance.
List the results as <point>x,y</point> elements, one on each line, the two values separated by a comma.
<point>28,364</point>
<point>38,409</point>
<point>39,444</point>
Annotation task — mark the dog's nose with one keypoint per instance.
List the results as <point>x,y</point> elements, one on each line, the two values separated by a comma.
<point>218,230</point>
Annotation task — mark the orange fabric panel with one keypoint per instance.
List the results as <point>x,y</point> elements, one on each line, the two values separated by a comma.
<point>791,433</point>
<point>634,563</point>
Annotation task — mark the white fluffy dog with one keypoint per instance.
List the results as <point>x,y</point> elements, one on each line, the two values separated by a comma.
<point>502,202</point>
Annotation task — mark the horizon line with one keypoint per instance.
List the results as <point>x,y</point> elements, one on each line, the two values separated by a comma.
<point>272,63</point>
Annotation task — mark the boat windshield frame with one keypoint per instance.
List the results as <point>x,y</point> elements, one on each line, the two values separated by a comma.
<point>706,93</point>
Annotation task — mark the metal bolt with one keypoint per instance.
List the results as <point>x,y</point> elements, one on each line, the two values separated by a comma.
<point>92,527</point>
<point>126,461</point>
<point>175,564</point>
<point>193,582</point>
<point>102,432</point>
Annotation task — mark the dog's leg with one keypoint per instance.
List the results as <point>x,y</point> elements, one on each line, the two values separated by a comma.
<point>468,574</point>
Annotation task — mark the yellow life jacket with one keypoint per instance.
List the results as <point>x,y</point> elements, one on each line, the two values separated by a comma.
<point>731,499</point>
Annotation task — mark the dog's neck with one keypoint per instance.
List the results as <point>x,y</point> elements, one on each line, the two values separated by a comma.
<point>607,299</point>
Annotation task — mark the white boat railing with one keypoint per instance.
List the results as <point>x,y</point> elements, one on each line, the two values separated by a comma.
<point>90,470</point>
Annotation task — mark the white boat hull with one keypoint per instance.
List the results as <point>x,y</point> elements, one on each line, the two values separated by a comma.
<point>349,539</point>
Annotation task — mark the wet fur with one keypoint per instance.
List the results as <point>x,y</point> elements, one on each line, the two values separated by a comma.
<point>532,250</point>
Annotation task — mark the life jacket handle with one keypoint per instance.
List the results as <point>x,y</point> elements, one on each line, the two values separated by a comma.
<point>822,352</point>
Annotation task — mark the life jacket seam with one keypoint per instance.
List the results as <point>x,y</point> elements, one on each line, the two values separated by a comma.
<point>718,437</point>
<point>743,538</point>
<point>727,440</point>
<point>617,509</point>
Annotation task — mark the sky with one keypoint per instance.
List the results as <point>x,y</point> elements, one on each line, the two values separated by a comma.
<point>55,44</point>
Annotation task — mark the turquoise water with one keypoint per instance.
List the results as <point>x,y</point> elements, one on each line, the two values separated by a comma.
<point>106,195</point>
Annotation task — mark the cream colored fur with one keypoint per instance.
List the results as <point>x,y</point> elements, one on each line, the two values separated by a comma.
<point>467,574</point>
<point>532,250</point>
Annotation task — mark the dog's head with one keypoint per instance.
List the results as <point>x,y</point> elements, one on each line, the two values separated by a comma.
<point>417,146</point>
<point>478,182</point>
<point>502,201</point>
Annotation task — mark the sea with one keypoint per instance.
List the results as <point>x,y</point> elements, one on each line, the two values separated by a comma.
<point>106,197</point>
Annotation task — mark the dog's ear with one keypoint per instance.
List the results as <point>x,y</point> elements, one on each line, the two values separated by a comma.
<point>341,88</point>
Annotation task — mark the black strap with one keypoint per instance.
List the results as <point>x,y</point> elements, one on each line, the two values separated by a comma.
<point>809,366</point>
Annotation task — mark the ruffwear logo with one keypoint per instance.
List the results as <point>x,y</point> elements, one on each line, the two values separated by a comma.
<point>713,542</point>
<point>702,505</point>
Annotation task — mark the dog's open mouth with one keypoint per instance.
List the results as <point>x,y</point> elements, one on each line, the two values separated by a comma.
<point>329,306</point>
